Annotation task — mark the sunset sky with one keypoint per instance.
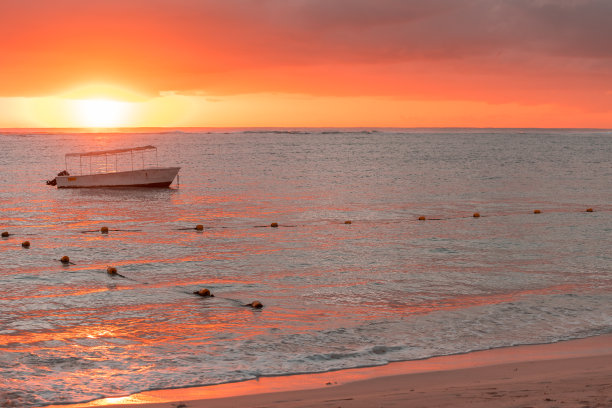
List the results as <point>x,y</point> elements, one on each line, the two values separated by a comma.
<point>398,63</point>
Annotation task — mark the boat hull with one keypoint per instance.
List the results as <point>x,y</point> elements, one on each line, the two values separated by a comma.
<point>151,177</point>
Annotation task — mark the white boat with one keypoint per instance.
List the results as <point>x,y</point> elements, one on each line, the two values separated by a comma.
<point>104,169</point>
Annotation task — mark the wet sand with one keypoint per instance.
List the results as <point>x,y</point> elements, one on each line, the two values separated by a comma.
<point>575,373</point>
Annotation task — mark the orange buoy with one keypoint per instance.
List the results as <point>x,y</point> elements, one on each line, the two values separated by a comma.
<point>5,234</point>
<point>204,293</point>
<point>537,211</point>
<point>104,230</point>
<point>255,304</point>
<point>25,244</point>
<point>587,210</point>
<point>111,270</point>
<point>199,227</point>
<point>348,222</point>
<point>421,218</point>
<point>65,259</point>
<point>476,215</point>
<point>274,225</point>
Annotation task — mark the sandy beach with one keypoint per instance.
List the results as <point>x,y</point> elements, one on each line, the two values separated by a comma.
<point>574,373</point>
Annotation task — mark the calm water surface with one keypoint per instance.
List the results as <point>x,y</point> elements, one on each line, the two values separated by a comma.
<point>386,287</point>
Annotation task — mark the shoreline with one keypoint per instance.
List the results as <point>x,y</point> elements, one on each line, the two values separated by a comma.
<point>571,368</point>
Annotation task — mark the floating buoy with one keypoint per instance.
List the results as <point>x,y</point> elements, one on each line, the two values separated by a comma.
<point>199,227</point>
<point>5,234</point>
<point>255,304</point>
<point>104,230</point>
<point>348,222</point>
<point>65,259</point>
<point>421,218</point>
<point>537,211</point>
<point>25,244</point>
<point>274,225</point>
<point>204,293</point>
<point>476,215</point>
<point>111,270</point>
<point>587,210</point>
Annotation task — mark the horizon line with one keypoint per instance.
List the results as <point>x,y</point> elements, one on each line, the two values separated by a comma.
<point>136,129</point>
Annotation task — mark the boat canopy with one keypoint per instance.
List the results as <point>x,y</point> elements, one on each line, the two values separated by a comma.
<point>98,162</point>
<point>116,151</point>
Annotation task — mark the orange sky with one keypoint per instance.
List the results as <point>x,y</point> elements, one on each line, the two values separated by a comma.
<point>512,63</point>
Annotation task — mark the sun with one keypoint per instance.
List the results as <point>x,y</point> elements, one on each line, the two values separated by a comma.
<point>101,113</point>
<point>106,106</point>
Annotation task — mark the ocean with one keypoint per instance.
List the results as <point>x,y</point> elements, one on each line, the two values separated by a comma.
<point>386,287</point>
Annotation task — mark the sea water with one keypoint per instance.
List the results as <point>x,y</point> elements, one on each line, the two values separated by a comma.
<point>386,287</point>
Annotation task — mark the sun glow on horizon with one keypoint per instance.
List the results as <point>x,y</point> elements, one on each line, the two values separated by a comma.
<point>101,113</point>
